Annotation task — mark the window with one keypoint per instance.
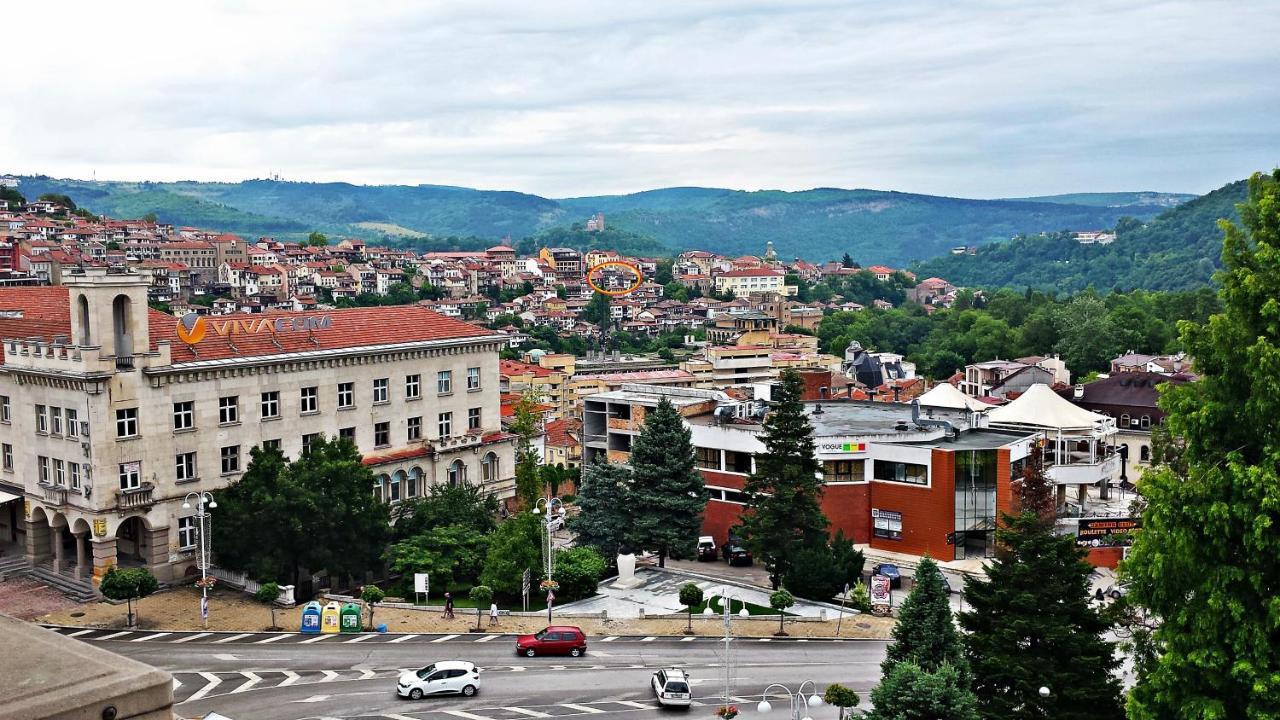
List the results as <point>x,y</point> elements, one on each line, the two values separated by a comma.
<point>43,463</point>
<point>377,487</point>
<point>308,440</point>
<point>5,410</point>
<point>844,470</point>
<point>130,475</point>
<point>74,469</point>
<point>735,496</point>
<point>1124,420</point>
<point>910,473</point>
<point>59,473</point>
<point>411,485</point>
<point>473,418</point>
<point>380,390</point>
<point>415,429</point>
<point>185,467</point>
<point>1144,453</point>
<point>270,404</point>
<point>1144,423</point>
<point>73,423</point>
<point>886,524</point>
<point>309,400</point>
<point>187,532</point>
<point>230,456</point>
<point>489,468</point>
<point>126,422</point>
<point>229,410</point>
<point>271,444</point>
<point>55,420</point>
<point>347,433</point>
<point>184,415</point>
<point>738,462</point>
<point>393,488</point>
<point>346,395</point>
<point>473,378</point>
<point>412,387</point>
<point>444,382</point>
<point>444,424</point>
<point>42,420</point>
<point>8,456</point>
<point>457,473</point>
<point>381,434</point>
<point>707,458</point>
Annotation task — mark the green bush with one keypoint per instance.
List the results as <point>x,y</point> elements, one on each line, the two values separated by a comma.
<point>820,572</point>
<point>579,571</point>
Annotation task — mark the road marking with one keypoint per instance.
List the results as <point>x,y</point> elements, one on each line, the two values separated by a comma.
<point>402,638</point>
<point>189,638</point>
<point>78,633</point>
<point>467,715</point>
<point>648,639</point>
<point>516,668</point>
<point>271,639</point>
<point>487,638</point>
<point>144,638</point>
<point>611,638</point>
<point>582,708</point>
<point>329,675</point>
<point>688,639</point>
<point>176,683</point>
<point>214,681</point>
<point>228,657</point>
<point>252,679</point>
<point>359,638</point>
<point>393,716</point>
<point>115,635</point>
<point>315,639</point>
<point>530,713</point>
<point>765,640</point>
<point>366,674</point>
<point>444,638</point>
<point>290,678</point>
<point>313,698</point>
<point>632,703</point>
<point>233,637</point>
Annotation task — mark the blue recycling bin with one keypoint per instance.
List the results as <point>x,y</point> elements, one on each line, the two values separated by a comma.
<point>311,618</point>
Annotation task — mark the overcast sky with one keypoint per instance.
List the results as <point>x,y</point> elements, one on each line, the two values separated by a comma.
<point>578,98</point>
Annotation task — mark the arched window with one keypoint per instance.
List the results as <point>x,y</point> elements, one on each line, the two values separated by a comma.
<point>1124,420</point>
<point>86,335</point>
<point>378,484</point>
<point>415,479</point>
<point>396,485</point>
<point>1145,453</point>
<point>489,468</point>
<point>122,322</point>
<point>1145,422</point>
<point>457,473</point>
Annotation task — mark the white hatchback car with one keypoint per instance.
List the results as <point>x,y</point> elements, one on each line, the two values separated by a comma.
<point>671,686</point>
<point>442,678</point>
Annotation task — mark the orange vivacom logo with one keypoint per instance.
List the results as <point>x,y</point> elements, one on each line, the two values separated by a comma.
<point>191,328</point>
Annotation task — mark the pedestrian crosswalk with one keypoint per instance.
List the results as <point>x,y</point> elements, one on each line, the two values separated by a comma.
<point>264,638</point>
<point>509,712</point>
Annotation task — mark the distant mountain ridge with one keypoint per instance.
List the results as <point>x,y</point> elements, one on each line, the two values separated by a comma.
<point>874,226</point>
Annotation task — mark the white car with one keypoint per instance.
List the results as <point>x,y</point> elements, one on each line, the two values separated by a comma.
<point>443,678</point>
<point>671,686</point>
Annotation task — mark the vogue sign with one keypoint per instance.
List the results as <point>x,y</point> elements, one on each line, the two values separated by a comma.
<point>192,328</point>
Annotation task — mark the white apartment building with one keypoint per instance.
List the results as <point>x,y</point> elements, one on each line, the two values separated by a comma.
<point>112,413</point>
<point>753,280</point>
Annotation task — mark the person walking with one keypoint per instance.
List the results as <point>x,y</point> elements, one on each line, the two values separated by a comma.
<point>448,605</point>
<point>493,614</point>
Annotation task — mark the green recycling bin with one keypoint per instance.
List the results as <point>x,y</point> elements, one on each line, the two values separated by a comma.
<point>351,618</point>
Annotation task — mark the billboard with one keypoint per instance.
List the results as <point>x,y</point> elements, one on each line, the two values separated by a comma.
<point>880,589</point>
<point>1107,532</point>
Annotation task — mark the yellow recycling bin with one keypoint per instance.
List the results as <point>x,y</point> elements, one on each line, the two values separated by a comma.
<point>330,619</point>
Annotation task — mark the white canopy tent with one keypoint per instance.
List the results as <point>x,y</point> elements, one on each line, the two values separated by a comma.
<point>1041,407</point>
<point>945,395</point>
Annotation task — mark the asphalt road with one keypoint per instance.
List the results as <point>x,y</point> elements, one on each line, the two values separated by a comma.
<point>248,679</point>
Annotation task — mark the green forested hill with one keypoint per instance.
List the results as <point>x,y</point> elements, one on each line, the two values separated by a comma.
<point>873,226</point>
<point>1179,249</point>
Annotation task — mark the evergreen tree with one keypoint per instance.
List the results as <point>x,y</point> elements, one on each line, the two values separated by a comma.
<point>783,514</point>
<point>667,493</point>
<point>606,513</point>
<point>1030,624</point>
<point>909,692</point>
<point>597,312</point>
<point>513,548</point>
<point>1205,563</point>
<point>926,633</point>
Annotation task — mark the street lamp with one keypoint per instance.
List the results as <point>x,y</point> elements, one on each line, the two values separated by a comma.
<point>1045,692</point>
<point>726,601</point>
<point>204,503</point>
<point>548,556</point>
<point>799,701</point>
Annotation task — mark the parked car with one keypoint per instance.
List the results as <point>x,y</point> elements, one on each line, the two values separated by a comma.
<point>707,549</point>
<point>553,640</point>
<point>671,687</point>
<point>738,555</point>
<point>1117,591</point>
<point>890,571</point>
<point>443,678</point>
<point>556,523</point>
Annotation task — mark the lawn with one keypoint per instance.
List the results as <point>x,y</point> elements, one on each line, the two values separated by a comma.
<point>734,606</point>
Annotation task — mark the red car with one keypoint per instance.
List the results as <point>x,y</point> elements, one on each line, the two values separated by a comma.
<point>553,640</point>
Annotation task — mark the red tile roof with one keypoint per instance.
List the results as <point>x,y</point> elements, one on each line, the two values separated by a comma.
<point>513,367</point>
<point>45,312</point>
<point>561,433</point>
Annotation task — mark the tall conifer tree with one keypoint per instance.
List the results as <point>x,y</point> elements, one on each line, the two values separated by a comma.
<point>667,494</point>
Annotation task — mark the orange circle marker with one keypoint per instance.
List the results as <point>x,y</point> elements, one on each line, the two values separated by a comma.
<point>629,267</point>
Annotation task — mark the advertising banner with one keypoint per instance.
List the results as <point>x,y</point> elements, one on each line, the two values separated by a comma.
<point>1107,532</point>
<point>880,589</point>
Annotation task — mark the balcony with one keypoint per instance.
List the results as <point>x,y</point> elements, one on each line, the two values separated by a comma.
<point>54,495</point>
<point>124,362</point>
<point>136,499</point>
<point>1085,473</point>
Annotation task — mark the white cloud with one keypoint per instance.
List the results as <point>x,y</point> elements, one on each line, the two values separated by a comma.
<point>572,98</point>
